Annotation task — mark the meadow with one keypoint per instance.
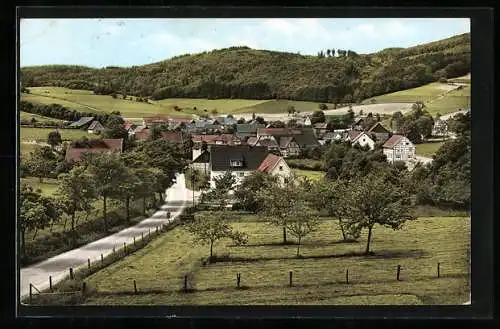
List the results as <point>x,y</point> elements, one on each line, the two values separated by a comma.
<point>318,275</point>
<point>311,174</point>
<point>423,93</point>
<point>41,134</point>
<point>451,102</point>
<point>38,118</point>
<point>427,149</point>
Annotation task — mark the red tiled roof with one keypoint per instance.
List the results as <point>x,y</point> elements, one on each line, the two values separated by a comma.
<point>269,163</point>
<point>172,136</point>
<point>106,145</point>
<point>391,142</point>
<point>143,134</point>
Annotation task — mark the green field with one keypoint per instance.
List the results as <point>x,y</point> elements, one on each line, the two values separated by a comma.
<point>454,100</point>
<point>47,188</point>
<point>280,106</point>
<point>313,175</point>
<point>423,93</point>
<point>25,148</point>
<point>318,276</point>
<point>40,134</point>
<point>427,149</point>
<point>38,118</point>
<point>309,163</point>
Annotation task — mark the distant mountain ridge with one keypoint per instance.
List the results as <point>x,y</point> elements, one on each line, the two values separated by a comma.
<point>241,72</point>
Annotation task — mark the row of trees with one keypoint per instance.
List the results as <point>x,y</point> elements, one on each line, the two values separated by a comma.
<point>259,74</point>
<point>340,53</point>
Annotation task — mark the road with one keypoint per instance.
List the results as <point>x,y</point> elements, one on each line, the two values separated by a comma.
<point>445,117</point>
<point>177,197</point>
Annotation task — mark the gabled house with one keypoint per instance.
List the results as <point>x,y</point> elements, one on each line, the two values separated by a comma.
<point>288,146</point>
<point>225,121</point>
<point>358,124</point>
<point>276,166</point>
<point>242,160</point>
<point>379,131</point>
<point>202,162</point>
<point>130,127</point>
<point>360,138</point>
<point>399,148</point>
<point>223,139</point>
<point>154,120</point>
<point>267,141</point>
<point>173,136</point>
<point>307,122</point>
<point>440,128</point>
<point>290,141</point>
<point>320,129</point>
<point>83,123</point>
<point>245,130</point>
<point>74,154</point>
<point>142,133</point>
<point>334,136</point>
<point>95,127</point>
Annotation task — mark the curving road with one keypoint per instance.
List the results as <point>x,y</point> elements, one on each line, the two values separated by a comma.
<point>177,197</point>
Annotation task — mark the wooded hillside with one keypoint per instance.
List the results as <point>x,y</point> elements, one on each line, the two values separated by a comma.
<point>241,72</point>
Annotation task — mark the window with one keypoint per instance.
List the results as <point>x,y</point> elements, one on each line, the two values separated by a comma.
<point>281,168</point>
<point>236,163</point>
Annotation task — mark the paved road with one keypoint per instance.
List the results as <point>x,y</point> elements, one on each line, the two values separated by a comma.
<point>177,197</point>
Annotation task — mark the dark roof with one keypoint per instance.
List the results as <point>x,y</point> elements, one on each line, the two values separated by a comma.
<point>353,134</point>
<point>285,140</point>
<point>267,142</point>
<point>391,142</point>
<point>74,154</point>
<point>172,136</point>
<point>248,128</point>
<point>81,122</point>
<point>320,125</point>
<point>204,157</point>
<point>221,155</point>
<point>378,128</point>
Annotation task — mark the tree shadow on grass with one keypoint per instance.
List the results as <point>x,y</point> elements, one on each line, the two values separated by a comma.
<point>293,243</point>
<point>383,254</point>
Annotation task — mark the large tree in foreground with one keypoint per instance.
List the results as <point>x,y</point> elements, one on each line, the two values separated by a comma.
<point>375,199</point>
<point>108,172</point>
<point>211,227</point>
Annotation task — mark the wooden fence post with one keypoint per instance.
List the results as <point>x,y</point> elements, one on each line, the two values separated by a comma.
<point>134,240</point>
<point>439,270</point>
<point>290,277</point>
<point>238,278</point>
<point>102,260</point>
<point>71,273</point>
<point>113,249</point>
<point>50,283</point>
<point>185,282</point>
<point>156,229</point>
<point>88,263</point>
<point>135,288</point>
<point>84,286</point>
<point>142,237</point>
<point>347,276</point>
<point>124,247</point>
<point>31,292</point>
<point>398,272</point>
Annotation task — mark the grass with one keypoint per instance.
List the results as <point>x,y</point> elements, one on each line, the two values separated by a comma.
<point>306,164</point>
<point>41,134</point>
<point>318,277</point>
<point>454,100</point>
<point>48,187</point>
<point>423,93</point>
<point>427,149</point>
<point>280,106</point>
<point>38,118</point>
<point>313,175</point>
<point>25,149</point>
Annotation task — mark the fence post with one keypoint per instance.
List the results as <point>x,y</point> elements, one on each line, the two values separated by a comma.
<point>124,247</point>
<point>84,286</point>
<point>31,292</point>
<point>88,263</point>
<point>290,277</point>
<point>439,270</point>
<point>238,278</point>
<point>113,249</point>
<point>134,240</point>
<point>399,271</point>
<point>142,236</point>
<point>156,230</point>
<point>50,283</point>
<point>135,287</point>
<point>71,273</point>
<point>185,282</point>
<point>347,276</point>
<point>102,260</point>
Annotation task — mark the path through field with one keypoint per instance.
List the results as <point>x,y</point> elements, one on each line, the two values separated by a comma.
<point>177,197</point>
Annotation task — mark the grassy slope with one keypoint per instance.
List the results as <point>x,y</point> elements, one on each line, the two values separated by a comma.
<point>417,248</point>
<point>313,175</point>
<point>40,134</point>
<point>423,93</point>
<point>38,118</point>
<point>456,99</point>
<point>427,149</point>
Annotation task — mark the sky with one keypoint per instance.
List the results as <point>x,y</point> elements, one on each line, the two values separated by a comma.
<point>128,42</point>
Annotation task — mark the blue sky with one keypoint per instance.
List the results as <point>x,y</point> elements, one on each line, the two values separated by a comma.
<point>127,42</point>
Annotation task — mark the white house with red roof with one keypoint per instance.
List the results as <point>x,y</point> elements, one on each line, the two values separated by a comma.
<point>361,138</point>
<point>276,166</point>
<point>399,148</point>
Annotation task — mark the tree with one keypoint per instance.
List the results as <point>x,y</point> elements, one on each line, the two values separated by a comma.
<point>291,109</point>
<point>374,199</point>
<point>220,194</point>
<point>147,182</point>
<point>128,188</point>
<point>260,120</point>
<point>108,171</point>
<point>278,200</point>
<point>301,222</point>
<point>54,138</point>
<point>328,52</point>
<point>212,227</point>
<point>397,121</point>
<point>41,162</point>
<point>323,107</point>
<point>247,193</point>
<point>318,117</point>
<point>75,191</point>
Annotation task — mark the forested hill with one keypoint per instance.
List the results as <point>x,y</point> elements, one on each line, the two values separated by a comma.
<point>241,72</point>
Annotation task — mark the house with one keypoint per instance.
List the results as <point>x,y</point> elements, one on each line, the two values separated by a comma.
<point>242,160</point>
<point>289,141</point>
<point>95,127</point>
<point>276,166</point>
<point>173,136</point>
<point>361,138</point>
<point>202,162</point>
<point>334,136</point>
<point>399,148</point>
<point>267,141</point>
<point>289,146</point>
<point>174,123</point>
<point>225,121</point>
<point>82,123</point>
<point>379,132</point>
<point>245,130</point>
<point>154,120</point>
<point>142,133</point>
<point>358,124</point>
<point>307,122</point>
<point>223,139</point>
<point>74,154</point>
<point>320,129</point>
<point>130,127</point>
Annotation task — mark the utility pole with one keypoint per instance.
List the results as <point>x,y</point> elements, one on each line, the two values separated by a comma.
<point>192,185</point>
